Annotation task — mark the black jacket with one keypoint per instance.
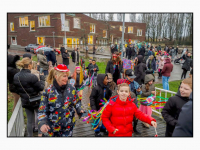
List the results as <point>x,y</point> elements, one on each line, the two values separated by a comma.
<point>89,68</point>
<point>127,51</point>
<point>65,58</point>
<point>74,57</point>
<point>110,69</point>
<point>62,50</point>
<point>188,63</point>
<point>52,57</point>
<point>184,127</point>
<point>146,56</point>
<point>171,112</point>
<point>97,93</point>
<point>12,70</point>
<point>114,50</point>
<point>31,85</point>
<point>133,51</point>
<point>141,51</point>
<point>139,70</point>
<point>92,71</point>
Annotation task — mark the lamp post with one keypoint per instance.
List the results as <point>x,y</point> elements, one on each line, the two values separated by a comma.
<point>53,39</point>
<point>122,37</point>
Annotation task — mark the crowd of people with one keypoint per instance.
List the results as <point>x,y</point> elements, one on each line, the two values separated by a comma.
<point>51,101</point>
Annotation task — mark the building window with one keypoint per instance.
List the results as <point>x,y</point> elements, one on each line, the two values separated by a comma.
<point>104,34</point>
<point>23,21</point>
<point>32,25</point>
<point>66,25</point>
<point>130,29</point>
<point>90,39</point>
<point>112,26</point>
<point>72,42</point>
<point>14,40</point>
<point>139,32</point>
<point>120,28</point>
<point>77,23</point>
<point>92,28</point>
<point>12,27</point>
<point>41,40</point>
<point>44,21</point>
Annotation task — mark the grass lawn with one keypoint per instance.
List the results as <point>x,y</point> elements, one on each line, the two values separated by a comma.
<point>34,58</point>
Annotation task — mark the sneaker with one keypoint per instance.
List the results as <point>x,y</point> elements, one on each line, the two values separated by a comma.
<point>98,134</point>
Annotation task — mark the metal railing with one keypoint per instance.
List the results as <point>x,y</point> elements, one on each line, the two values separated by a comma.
<point>16,125</point>
<point>160,91</point>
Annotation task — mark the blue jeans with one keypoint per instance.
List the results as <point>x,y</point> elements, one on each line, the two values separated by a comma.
<point>45,72</point>
<point>165,82</point>
<point>101,126</point>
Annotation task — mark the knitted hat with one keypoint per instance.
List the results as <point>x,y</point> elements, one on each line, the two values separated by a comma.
<point>120,81</point>
<point>61,67</point>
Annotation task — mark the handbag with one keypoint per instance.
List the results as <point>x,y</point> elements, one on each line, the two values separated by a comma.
<point>34,100</point>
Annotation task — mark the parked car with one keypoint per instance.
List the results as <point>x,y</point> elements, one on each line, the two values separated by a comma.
<point>47,49</point>
<point>30,47</point>
<point>34,51</point>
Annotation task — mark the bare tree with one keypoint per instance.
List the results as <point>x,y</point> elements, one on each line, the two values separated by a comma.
<point>95,16</point>
<point>110,17</point>
<point>132,17</point>
<point>119,17</point>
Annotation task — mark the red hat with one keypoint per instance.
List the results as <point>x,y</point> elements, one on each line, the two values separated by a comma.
<point>120,81</point>
<point>114,55</point>
<point>61,67</point>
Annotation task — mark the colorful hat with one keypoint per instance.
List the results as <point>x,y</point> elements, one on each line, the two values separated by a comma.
<point>62,68</point>
<point>114,55</point>
<point>120,81</point>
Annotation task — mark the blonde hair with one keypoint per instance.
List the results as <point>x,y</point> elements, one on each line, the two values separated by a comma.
<point>123,84</point>
<point>24,63</point>
<point>60,73</point>
<point>151,57</point>
<point>34,65</point>
<point>188,81</point>
<point>50,77</point>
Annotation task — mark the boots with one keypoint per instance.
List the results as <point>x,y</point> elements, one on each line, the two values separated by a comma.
<point>134,127</point>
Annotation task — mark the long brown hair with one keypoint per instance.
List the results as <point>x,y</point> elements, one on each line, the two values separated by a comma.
<point>118,60</point>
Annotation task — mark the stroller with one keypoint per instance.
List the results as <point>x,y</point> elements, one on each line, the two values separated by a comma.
<point>178,61</point>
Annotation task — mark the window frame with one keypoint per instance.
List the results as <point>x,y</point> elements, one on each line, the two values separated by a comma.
<point>89,40</point>
<point>130,27</point>
<point>138,33</point>
<point>120,28</point>
<point>79,23</point>
<point>11,28</point>
<point>30,25</point>
<point>106,34</point>
<point>24,21</point>
<point>44,21</point>
<point>15,40</point>
<point>65,26</point>
<point>93,25</point>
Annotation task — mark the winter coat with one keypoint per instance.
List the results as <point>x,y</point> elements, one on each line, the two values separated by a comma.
<point>168,67</point>
<point>42,60</point>
<point>46,53</point>
<point>188,63</point>
<point>30,83</point>
<point>92,71</point>
<point>146,93</point>
<point>159,48</point>
<point>119,115</point>
<point>146,56</point>
<point>173,51</point>
<point>62,50</point>
<point>12,70</point>
<point>89,67</point>
<point>114,49</point>
<point>141,51</point>
<point>52,57</point>
<point>98,92</point>
<point>127,51</point>
<point>184,126</point>
<point>153,64</point>
<point>74,57</point>
<point>171,112</point>
<point>110,67</point>
<point>57,108</point>
<point>133,51</point>
<point>150,53</point>
<point>65,58</point>
<point>139,70</point>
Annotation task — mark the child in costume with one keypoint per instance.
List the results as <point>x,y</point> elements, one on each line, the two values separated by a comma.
<point>147,89</point>
<point>118,114</point>
<point>94,69</point>
<point>98,93</point>
<point>78,77</point>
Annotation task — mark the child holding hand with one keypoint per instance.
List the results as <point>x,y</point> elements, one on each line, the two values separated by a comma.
<point>118,114</point>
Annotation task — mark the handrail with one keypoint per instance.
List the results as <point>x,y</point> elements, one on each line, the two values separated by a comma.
<point>158,111</point>
<point>16,125</point>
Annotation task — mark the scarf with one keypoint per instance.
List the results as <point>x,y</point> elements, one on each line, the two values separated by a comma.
<point>59,88</point>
